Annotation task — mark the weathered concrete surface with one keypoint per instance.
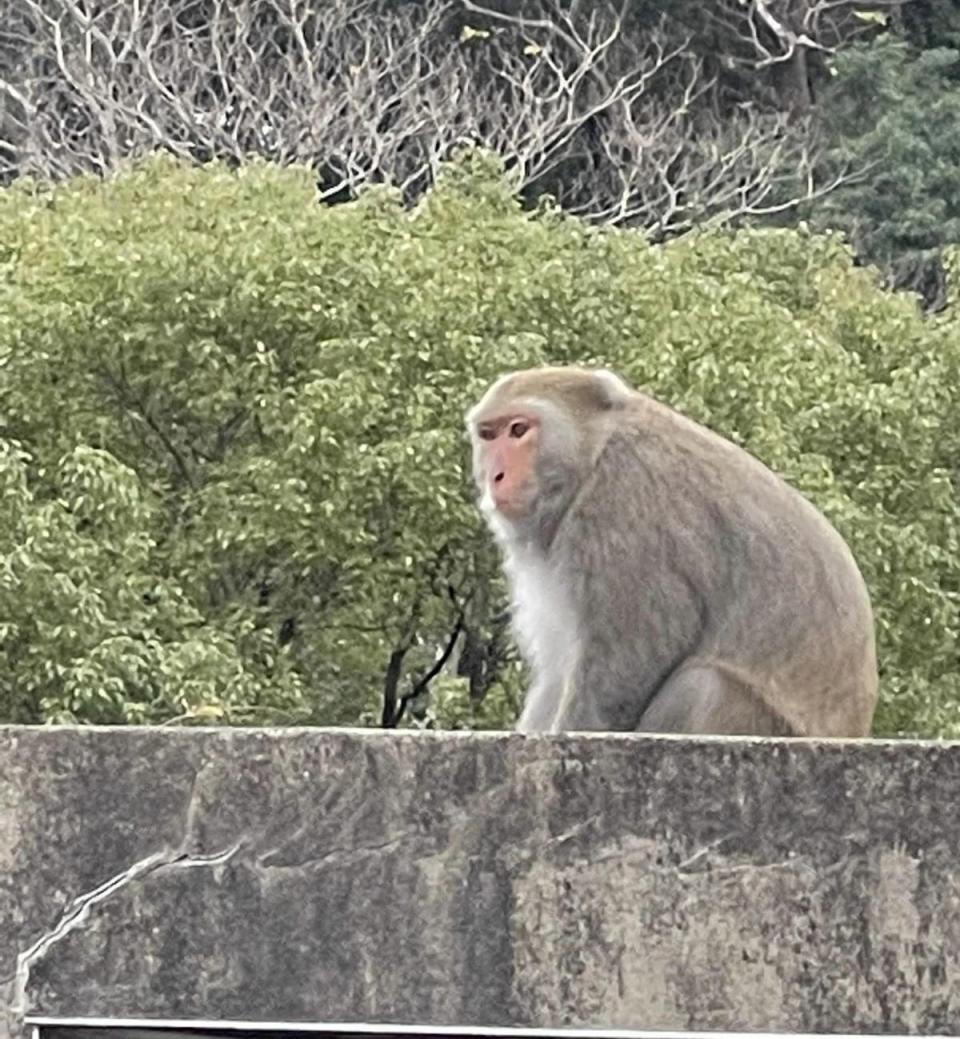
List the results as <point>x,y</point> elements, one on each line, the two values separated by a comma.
<point>625,882</point>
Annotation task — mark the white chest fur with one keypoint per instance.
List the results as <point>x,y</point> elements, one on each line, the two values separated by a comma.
<point>545,623</point>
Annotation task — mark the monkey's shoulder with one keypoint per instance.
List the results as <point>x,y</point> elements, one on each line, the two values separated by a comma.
<point>654,441</point>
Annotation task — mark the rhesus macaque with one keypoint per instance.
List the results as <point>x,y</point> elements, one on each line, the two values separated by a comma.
<point>663,579</point>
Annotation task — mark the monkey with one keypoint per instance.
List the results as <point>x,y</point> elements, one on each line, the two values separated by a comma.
<point>662,578</point>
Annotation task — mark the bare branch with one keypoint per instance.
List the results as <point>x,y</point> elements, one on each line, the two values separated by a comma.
<point>621,126</point>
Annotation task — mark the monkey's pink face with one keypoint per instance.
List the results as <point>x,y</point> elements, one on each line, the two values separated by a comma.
<point>506,462</point>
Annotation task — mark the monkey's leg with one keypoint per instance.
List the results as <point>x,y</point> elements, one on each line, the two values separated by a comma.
<point>596,697</point>
<point>704,700</point>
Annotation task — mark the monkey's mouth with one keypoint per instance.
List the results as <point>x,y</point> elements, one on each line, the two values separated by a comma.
<point>510,510</point>
<point>509,507</point>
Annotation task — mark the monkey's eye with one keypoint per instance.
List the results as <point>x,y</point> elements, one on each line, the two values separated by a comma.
<point>486,433</point>
<point>518,429</point>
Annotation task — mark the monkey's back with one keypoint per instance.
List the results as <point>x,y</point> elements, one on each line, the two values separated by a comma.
<point>721,560</point>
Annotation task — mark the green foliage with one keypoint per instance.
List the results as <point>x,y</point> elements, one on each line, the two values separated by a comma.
<point>894,114</point>
<point>235,476</point>
<point>930,23</point>
<point>88,628</point>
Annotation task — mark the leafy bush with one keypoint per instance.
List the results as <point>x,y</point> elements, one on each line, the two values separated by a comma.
<point>89,628</point>
<point>235,475</point>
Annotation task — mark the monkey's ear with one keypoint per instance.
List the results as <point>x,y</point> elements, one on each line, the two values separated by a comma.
<point>614,392</point>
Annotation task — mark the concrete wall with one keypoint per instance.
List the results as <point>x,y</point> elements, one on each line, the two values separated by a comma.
<point>627,882</point>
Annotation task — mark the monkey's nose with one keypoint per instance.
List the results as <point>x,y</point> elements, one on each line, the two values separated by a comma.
<point>498,477</point>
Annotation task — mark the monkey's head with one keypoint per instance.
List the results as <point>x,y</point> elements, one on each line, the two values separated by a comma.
<point>535,435</point>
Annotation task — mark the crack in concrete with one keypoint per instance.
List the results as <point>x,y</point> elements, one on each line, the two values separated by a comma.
<point>80,907</point>
<point>267,860</point>
<point>697,862</point>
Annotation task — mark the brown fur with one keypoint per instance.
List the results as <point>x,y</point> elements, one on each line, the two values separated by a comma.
<point>663,578</point>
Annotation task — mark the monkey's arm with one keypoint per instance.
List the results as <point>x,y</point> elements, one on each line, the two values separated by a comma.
<point>539,708</point>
